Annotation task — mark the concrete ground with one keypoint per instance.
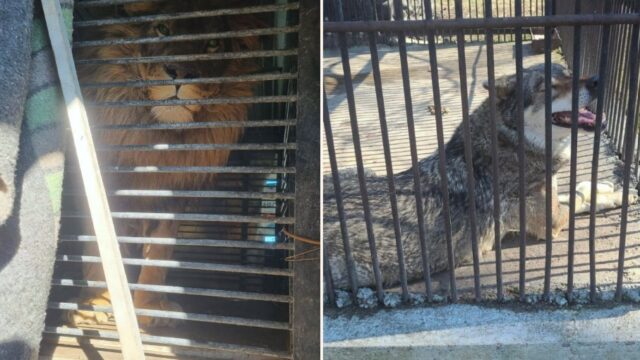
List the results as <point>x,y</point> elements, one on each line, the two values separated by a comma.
<point>607,223</point>
<point>473,332</point>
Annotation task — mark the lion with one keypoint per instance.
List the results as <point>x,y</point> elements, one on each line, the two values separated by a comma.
<point>161,114</point>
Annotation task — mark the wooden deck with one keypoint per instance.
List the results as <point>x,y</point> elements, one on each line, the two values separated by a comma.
<point>608,223</point>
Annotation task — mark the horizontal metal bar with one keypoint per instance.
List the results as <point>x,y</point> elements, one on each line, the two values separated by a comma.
<point>206,101</point>
<point>189,57</point>
<point>177,16</point>
<point>86,3</point>
<point>171,341</point>
<point>225,294</point>
<point>190,265</point>
<point>199,147</point>
<point>206,80</point>
<point>178,315</point>
<point>199,125</point>
<point>424,26</point>
<point>254,195</point>
<point>236,244</point>
<point>187,37</point>
<point>201,169</point>
<point>190,217</point>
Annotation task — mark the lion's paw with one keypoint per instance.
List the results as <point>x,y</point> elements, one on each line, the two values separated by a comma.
<point>91,317</point>
<point>154,321</point>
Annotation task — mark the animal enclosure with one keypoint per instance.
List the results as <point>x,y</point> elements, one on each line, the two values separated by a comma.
<point>194,107</point>
<point>387,108</point>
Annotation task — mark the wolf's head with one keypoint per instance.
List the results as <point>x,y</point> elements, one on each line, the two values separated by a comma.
<point>534,105</point>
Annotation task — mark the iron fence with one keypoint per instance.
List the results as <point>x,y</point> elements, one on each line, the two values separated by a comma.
<point>382,10</point>
<point>604,43</point>
<point>229,271</point>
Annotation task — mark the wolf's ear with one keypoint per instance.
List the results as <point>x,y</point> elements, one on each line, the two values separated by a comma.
<point>505,86</point>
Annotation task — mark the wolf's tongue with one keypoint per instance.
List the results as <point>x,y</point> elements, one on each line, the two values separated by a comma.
<point>586,119</point>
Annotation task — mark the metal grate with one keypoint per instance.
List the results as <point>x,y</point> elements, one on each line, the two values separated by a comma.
<point>227,271</point>
<point>359,10</point>
<point>391,248</point>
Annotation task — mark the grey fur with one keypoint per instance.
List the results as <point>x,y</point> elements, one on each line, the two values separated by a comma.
<point>432,197</point>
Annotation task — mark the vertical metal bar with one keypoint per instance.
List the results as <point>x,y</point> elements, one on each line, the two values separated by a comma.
<point>305,310</point>
<point>468,156</point>
<point>360,166</point>
<point>622,93</point>
<point>547,157</point>
<point>518,2</point>
<point>521,156</point>
<point>328,278</point>
<point>602,81</point>
<point>629,143</point>
<point>387,153</point>
<point>442,163</point>
<point>575,90</point>
<point>494,154</point>
<point>351,268</point>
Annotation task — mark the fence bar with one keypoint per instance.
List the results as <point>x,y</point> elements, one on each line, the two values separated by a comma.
<point>521,156</point>
<point>178,315</point>
<point>257,219</point>
<point>216,194</point>
<point>206,101</point>
<point>402,47</point>
<point>200,169</point>
<point>199,125</point>
<point>226,294</point>
<point>328,277</point>
<point>188,57</point>
<point>548,33</point>
<point>442,163</point>
<point>187,37</point>
<point>236,244</point>
<point>468,155</point>
<point>602,83</point>
<point>202,80</point>
<point>575,90</point>
<point>621,109</point>
<point>170,341</point>
<point>191,265</point>
<point>628,158</point>
<point>358,152</point>
<point>421,26</point>
<point>491,79</point>
<point>351,268</point>
<point>182,15</point>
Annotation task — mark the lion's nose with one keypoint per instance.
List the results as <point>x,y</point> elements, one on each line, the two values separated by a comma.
<point>171,71</point>
<point>592,83</point>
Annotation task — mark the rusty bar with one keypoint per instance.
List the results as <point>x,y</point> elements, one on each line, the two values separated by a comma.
<point>602,82</point>
<point>628,158</point>
<point>360,166</point>
<point>468,155</point>
<point>351,267</point>
<point>575,89</point>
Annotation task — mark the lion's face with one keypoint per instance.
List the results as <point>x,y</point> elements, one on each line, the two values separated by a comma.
<point>174,69</point>
<point>185,70</point>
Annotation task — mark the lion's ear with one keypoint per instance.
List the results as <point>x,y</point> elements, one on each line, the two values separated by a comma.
<point>141,8</point>
<point>505,86</point>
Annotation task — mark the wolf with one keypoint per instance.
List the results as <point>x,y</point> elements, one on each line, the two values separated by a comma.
<point>480,122</point>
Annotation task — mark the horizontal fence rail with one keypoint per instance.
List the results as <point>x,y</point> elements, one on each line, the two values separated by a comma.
<point>392,251</point>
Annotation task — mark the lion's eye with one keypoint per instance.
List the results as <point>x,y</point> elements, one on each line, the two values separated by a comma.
<point>162,30</point>
<point>212,44</point>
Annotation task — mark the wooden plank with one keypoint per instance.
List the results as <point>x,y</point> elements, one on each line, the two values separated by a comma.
<point>116,279</point>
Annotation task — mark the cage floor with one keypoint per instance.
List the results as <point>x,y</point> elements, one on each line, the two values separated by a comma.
<point>607,223</point>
